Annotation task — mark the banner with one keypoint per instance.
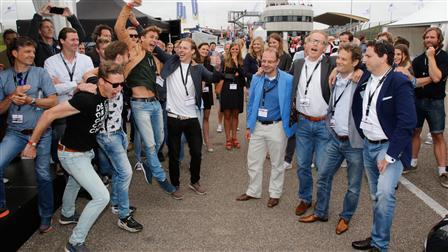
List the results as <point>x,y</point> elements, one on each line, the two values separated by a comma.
<point>184,14</point>
<point>179,10</point>
<point>194,8</point>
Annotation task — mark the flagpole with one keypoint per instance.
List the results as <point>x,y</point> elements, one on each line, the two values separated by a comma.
<point>351,13</point>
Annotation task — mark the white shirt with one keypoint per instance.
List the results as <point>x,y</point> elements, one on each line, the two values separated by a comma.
<point>56,68</point>
<point>177,99</point>
<point>317,105</point>
<point>370,124</point>
<point>342,109</point>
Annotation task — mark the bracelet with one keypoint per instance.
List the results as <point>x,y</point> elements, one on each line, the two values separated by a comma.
<point>32,143</point>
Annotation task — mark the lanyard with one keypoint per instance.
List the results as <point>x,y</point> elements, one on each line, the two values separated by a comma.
<point>185,80</point>
<point>372,94</point>
<point>308,80</point>
<point>267,90</point>
<point>22,81</point>
<point>335,101</point>
<point>70,73</point>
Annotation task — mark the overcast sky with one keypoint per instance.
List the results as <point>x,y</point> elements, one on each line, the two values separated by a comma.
<point>213,13</point>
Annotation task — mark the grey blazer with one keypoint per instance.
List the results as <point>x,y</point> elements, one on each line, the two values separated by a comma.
<point>356,140</point>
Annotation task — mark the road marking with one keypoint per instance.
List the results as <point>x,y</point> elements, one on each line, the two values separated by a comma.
<point>436,207</point>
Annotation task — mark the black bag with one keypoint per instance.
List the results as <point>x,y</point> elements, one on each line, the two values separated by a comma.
<point>437,239</point>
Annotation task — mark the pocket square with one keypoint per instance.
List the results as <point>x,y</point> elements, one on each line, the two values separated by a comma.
<point>387,98</point>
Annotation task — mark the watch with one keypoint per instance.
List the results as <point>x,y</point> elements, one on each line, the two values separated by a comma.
<point>33,101</point>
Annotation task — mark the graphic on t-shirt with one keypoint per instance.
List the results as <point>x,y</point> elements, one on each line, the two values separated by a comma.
<point>100,116</point>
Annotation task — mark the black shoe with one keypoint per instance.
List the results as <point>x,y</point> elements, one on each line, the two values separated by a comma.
<point>69,220</point>
<point>374,249</point>
<point>363,244</point>
<point>115,209</point>
<point>128,223</point>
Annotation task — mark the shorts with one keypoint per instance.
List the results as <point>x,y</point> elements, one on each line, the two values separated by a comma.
<point>432,111</point>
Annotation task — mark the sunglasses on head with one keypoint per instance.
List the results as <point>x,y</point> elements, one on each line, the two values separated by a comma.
<point>133,35</point>
<point>115,85</point>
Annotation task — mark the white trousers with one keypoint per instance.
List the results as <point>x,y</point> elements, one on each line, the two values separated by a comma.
<point>266,138</point>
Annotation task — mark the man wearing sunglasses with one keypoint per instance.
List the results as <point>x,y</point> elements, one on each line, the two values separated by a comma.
<point>141,74</point>
<point>86,114</point>
<point>112,140</point>
<point>384,113</point>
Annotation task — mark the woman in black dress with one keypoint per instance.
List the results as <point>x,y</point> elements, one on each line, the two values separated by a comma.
<point>207,92</point>
<point>232,96</point>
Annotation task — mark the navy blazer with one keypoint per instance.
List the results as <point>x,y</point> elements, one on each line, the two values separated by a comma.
<point>395,108</point>
<point>198,72</point>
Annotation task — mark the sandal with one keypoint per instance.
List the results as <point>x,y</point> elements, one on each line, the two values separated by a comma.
<point>236,144</point>
<point>229,144</point>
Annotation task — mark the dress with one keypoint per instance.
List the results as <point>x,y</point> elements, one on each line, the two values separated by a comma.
<point>232,97</point>
<point>207,91</point>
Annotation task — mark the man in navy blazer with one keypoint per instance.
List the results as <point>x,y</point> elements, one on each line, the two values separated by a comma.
<point>384,112</point>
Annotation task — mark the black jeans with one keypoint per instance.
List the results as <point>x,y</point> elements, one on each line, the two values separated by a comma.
<point>193,134</point>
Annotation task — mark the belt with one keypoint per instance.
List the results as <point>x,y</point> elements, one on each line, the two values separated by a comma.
<point>149,99</point>
<point>179,117</point>
<point>313,119</point>
<point>378,141</point>
<point>270,122</point>
<point>27,132</point>
<point>342,138</point>
<point>63,148</point>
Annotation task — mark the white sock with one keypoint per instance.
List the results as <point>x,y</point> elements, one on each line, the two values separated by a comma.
<point>414,162</point>
<point>442,170</point>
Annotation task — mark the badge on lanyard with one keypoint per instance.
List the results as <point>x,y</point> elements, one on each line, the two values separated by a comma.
<point>205,90</point>
<point>233,86</point>
<point>332,123</point>
<point>189,101</point>
<point>262,112</point>
<point>366,124</point>
<point>17,118</point>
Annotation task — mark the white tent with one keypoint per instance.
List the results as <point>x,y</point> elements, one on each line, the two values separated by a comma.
<point>413,26</point>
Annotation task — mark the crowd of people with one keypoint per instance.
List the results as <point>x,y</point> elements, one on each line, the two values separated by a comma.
<point>328,99</point>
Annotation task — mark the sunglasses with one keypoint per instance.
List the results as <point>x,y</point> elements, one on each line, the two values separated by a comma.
<point>115,85</point>
<point>133,35</point>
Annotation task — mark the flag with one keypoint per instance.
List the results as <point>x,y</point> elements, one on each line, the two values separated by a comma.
<point>179,10</point>
<point>184,14</point>
<point>391,7</point>
<point>194,8</point>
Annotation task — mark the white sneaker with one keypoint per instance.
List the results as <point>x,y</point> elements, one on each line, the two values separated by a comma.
<point>219,129</point>
<point>428,139</point>
<point>287,165</point>
<point>138,166</point>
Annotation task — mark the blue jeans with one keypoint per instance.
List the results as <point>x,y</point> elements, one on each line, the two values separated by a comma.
<point>336,152</point>
<point>78,165</point>
<point>149,123</point>
<point>114,145</point>
<point>311,138</point>
<point>382,191</point>
<point>13,143</point>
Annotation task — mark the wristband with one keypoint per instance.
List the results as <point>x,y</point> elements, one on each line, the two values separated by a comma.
<point>32,143</point>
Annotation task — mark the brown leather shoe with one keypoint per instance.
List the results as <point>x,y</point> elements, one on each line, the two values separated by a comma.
<point>272,202</point>
<point>302,207</point>
<point>342,226</point>
<point>311,218</point>
<point>244,197</point>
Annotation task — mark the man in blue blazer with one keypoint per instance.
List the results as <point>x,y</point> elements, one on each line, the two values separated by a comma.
<point>268,127</point>
<point>384,110</point>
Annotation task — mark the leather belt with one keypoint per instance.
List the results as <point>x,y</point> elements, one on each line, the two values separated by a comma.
<point>179,117</point>
<point>63,148</point>
<point>314,119</point>
<point>270,122</point>
<point>149,99</point>
<point>378,141</point>
<point>27,132</point>
<point>342,138</point>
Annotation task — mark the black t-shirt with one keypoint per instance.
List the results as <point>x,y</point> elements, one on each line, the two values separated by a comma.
<point>82,128</point>
<point>420,67</point>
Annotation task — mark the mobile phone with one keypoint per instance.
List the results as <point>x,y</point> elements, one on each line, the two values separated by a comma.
<point>57,10</point>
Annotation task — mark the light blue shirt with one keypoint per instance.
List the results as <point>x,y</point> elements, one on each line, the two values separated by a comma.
<point>342,109</point>
<point>41,87</point>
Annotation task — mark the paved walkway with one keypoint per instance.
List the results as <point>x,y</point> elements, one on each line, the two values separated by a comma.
<point>217,222</point>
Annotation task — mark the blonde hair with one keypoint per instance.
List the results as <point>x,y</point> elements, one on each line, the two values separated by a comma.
<point>251,47</point>
<point>228,61</point>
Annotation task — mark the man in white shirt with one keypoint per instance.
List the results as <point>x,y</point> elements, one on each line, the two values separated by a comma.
<point>384,110</point>
<point>66,70</point>
<point>311,94</point>
<point>345,143</point>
